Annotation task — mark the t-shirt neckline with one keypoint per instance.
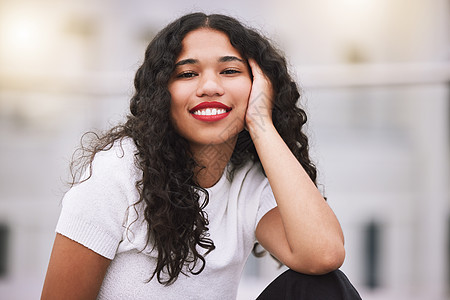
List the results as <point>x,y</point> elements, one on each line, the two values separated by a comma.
<point>218,185</point>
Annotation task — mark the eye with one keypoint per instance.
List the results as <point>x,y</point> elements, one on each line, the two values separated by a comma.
<point>187,74</point>
<point>230,71</point>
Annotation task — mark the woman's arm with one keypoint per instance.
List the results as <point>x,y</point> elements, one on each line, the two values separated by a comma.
<point>74,271</point>
<point>302,232</point>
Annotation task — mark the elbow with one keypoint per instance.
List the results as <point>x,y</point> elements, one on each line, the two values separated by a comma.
<point>320,263</point>
<point>330,261</point>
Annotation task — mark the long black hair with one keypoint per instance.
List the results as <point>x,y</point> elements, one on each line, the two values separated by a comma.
<point>175,216</point>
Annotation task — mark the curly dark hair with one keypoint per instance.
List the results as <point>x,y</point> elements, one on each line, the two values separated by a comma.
<point>175,215</point>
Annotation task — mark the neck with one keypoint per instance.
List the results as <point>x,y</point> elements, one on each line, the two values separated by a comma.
<point>212,160</point>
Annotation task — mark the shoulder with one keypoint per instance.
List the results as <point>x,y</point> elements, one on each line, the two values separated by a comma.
<point>95,210</point>
<point>112,172</point>
<point>117,160</point>
<point>121,151</point>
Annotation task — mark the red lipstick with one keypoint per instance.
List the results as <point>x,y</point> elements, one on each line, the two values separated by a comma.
<point>211,111</point>
<point>210,104</point>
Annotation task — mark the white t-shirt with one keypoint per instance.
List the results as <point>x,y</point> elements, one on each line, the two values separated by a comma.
<point>98,212</point>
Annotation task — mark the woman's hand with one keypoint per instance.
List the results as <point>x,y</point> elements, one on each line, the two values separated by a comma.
<point>260,102</point>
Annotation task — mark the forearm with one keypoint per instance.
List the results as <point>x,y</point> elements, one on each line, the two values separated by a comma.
<point>310,225</point>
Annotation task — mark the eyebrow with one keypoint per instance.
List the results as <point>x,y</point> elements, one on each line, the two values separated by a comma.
<point>230,58</point>
<point>192,61</point>
<point>189,61</point>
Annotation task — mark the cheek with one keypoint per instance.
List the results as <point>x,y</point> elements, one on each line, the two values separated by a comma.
<point>175,106</point>
<point>246,89</point>
<point>177,98</point>
<point>241,91</point>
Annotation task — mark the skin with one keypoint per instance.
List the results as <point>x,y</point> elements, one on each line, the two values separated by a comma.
<point>74,271</point>
<point>302,231</point>
<point>209,69</point>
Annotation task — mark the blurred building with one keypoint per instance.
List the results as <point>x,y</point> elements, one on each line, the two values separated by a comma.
<point>375,76</point>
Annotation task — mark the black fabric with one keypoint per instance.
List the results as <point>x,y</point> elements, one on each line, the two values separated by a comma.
<point>292,285</point>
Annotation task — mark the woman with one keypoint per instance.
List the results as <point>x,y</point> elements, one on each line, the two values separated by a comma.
<point>211,160</point>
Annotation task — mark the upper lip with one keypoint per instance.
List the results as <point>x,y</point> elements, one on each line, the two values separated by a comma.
<point>210,104</point>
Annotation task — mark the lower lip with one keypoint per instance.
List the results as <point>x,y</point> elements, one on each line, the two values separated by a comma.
<point>212,118</point>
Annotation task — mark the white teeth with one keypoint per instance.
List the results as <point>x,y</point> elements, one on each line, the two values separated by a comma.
<point>210,112</point>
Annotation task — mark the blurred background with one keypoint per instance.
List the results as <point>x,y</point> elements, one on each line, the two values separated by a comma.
<point>375,76</point>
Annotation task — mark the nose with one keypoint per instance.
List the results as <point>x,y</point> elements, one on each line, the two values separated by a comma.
<point>209,85</point>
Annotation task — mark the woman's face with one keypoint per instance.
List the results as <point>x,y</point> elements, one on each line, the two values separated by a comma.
<point>210,89</point>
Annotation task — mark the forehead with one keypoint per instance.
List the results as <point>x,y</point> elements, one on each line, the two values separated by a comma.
<point>206,42</point>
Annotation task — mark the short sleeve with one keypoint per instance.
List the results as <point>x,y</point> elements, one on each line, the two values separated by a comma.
<point>266,203</point>
<point>94,211</point>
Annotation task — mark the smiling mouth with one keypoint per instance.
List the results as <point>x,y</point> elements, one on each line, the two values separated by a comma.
<point>210,111</point>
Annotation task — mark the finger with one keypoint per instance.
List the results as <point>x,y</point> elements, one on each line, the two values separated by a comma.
<point>256,70</point>
<point>258,73</point>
